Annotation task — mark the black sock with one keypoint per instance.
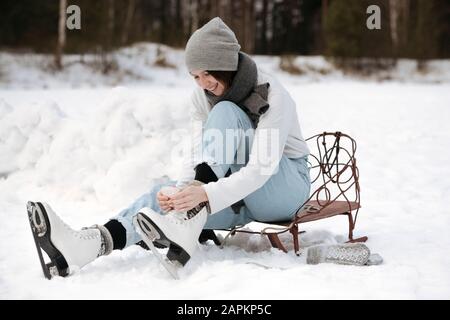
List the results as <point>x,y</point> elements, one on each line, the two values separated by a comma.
<point>204,173</point>
<point>118,234</point>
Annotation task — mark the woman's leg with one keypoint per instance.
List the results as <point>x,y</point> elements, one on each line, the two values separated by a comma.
<point>227,137</point>
<point>277,200</point>
<point>224,116</point>
<point>125,217</point>
<point>281,195</point>
<point>228,218</point>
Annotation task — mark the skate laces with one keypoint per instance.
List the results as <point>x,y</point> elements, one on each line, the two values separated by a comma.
<point>194,211</point>
<point>89,233</point>
<point>179,217</point>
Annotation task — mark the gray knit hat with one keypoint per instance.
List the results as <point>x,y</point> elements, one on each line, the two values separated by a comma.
<point>213,47</point>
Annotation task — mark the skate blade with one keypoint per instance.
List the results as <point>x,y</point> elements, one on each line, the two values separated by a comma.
<point>150,234</point>
<point>41,235</point>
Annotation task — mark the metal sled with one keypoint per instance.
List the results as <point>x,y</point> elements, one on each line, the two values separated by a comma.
<point>335,181</point>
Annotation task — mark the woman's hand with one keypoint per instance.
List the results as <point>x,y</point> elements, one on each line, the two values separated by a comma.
<point>188,198</point>
<point>164,202</point>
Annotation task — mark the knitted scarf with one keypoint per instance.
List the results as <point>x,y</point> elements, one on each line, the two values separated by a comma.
<point>244,91</point>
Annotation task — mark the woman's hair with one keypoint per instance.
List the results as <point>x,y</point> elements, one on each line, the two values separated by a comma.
<point>224,76</point>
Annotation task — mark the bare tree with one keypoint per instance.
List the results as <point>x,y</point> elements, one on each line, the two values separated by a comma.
<point>249,25</point>
<point>110,31</point>
<point>179,22</point>
<point>129,17</point>
<point>215,8</point>
<point>404,22</point>
<point>186,18</point>
<point>61,34</point>
<point>194,8</point>
<point>394,12</point>
<point>107,62</point>
<point>398,20</point>
<point>270,27</point>
<point>264,27</point>
<point>222,9</point>
<point>324,10</point>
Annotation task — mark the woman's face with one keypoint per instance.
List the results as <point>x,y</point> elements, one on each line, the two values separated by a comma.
<point>207,82</point>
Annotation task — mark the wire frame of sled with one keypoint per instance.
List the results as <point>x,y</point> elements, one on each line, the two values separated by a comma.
<point>330,170</point>
<point>328,163</point>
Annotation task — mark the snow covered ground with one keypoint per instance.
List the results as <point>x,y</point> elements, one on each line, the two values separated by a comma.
<point>89,148</point>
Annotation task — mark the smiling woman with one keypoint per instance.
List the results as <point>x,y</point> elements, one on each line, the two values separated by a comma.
<point>208,82</point>
<point>216,82</point>
<point>254,168</point>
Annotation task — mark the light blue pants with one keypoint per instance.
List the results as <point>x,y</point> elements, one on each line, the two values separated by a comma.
<point>277,200</point>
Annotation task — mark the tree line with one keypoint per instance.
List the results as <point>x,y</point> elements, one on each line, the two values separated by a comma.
<point>416,29</point>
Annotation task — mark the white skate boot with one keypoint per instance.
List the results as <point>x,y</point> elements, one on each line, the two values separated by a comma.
<point>64,246</point>
<point>177,230</point>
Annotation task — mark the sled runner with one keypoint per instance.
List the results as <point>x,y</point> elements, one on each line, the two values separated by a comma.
<point>335,181</point>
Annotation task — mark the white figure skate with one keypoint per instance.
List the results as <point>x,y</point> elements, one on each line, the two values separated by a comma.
<point>64,246</point>
<point>179,231</point>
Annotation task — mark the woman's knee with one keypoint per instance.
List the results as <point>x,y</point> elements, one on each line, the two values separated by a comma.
<point>225,110</point>
<point>227,115</point>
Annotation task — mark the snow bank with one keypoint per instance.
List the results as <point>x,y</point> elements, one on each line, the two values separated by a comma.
<point>109,151</point>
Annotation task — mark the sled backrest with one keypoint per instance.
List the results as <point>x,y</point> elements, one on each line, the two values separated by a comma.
<point>334,175</point>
